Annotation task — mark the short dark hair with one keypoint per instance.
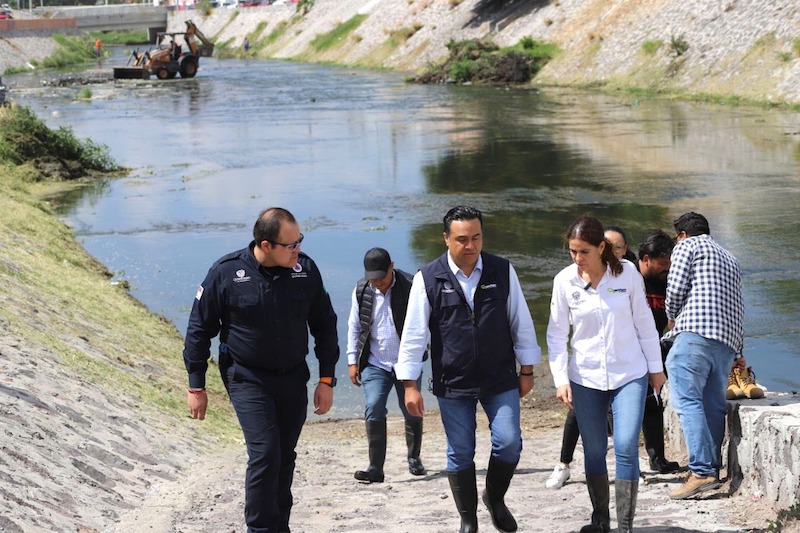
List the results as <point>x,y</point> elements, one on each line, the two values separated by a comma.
<point>692,223</point>
<point>588,229</point>
<point>461,212</point>
<point>656,244</point>
<point>269,222</point>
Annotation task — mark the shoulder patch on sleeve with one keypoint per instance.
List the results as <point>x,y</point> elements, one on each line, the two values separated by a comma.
<point>199,293</point>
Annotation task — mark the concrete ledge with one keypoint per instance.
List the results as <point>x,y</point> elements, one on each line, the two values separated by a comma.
<point>761,446</point>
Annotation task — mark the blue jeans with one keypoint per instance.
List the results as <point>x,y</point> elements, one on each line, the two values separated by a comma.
<point>458,419</point>
<point>698,375</point>
<point>377,384</point>
<point>627,407</point>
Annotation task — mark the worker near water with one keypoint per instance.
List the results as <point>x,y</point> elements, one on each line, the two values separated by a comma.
<point>262,301</point>
<point>377,315</point>
<point>470,304</point>
<point>98,47</point>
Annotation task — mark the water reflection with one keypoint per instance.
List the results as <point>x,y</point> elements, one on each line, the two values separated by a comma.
<point>364,160</point>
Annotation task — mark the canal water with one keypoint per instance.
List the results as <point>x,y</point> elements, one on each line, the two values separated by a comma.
<point>364,159</point>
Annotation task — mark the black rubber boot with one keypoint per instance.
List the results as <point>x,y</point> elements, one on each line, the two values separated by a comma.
<point>498,478</point>
<point>626,493</point>
<point>376,437</point>
<point>465,495</point>
<point>600,496</point>
<point>653,431</point>
<point>414,442</point>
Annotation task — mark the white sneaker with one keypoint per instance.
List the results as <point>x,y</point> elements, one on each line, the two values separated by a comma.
<point>557,479</point>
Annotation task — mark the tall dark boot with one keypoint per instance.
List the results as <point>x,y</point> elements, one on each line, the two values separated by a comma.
<point>626,493</point>
<point>498,478</point>
<point>465,495</point>
<point>376,438</point>
<point>600,496</point>
<point>414,442</point>
<point>653,431</point>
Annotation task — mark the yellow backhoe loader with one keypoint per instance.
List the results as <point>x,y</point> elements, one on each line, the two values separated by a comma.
<point>170,57</point>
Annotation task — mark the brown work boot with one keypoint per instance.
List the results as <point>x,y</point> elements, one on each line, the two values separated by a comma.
<point>694,485</point>
<point>746,379</point>
<point>733,392</point>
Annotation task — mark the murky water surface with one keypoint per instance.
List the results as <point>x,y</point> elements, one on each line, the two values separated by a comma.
<point>363,159</point>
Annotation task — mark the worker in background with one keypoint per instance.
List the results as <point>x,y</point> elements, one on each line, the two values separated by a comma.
<point>98,47</point>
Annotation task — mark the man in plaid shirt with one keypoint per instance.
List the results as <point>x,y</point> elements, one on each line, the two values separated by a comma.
<point>704,301</point>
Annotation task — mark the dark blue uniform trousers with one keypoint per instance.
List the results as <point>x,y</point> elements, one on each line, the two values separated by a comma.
<point>272,410</point>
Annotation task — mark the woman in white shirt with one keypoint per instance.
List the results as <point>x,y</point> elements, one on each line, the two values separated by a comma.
<point>615,352</point>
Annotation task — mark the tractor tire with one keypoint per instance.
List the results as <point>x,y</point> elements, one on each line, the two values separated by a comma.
<point>162,73</point>
<point>188,67</point>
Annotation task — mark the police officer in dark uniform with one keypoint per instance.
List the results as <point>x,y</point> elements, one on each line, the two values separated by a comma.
<point>262,301</point>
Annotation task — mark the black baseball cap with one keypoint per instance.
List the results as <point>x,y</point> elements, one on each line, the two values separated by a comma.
<point>376,263</point>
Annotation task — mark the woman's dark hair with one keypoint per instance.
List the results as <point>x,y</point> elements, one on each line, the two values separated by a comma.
<point>591,230</point>
<point>461,212</point>
<point>618,230</point>
<point>269,222</point>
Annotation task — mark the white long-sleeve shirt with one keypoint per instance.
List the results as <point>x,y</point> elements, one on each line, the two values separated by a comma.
<point>383,338</point>
<point>416,335</point>
<point>614,336</point>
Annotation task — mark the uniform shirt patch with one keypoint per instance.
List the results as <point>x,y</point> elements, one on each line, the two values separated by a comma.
<point>199,293</point>
<point>612,290</point>
<point>240,276</point>
<point>447,288</point>
<point>297,267</point>
<point>489,286</point>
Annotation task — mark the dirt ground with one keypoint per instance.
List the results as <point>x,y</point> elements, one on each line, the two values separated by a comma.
<point>209,498</point>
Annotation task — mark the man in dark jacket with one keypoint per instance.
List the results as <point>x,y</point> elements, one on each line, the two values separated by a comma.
<point>262,301</point>
<point>471,305</point>
<point>377,314</point>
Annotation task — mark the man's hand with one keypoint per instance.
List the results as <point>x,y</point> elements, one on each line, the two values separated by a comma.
<point>355,379</point>
<point>323,399</point>
<point>739,363</point>
<point>657,381</point>
<point>414,403</point>
<point>564,393</point>
<point>525,381</point>
<point>198,402</point>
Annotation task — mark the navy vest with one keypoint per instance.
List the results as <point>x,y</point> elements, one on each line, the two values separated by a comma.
<point>472,352</point>
<point>366,298</point>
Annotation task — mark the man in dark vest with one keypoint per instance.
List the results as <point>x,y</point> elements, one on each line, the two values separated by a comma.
<point>471,305</point>
<point>377,314</point>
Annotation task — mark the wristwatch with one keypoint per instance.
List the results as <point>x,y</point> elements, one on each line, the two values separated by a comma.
<point>329,381</point>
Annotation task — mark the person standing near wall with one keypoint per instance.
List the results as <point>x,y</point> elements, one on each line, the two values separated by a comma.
<point>704,300</point>
<point>98,47</point>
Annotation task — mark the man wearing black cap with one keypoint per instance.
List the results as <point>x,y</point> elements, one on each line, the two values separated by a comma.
<point>377,314</point>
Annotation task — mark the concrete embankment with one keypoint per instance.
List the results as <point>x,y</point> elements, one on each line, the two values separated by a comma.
<point>746,49</point>
<point>731,48</point>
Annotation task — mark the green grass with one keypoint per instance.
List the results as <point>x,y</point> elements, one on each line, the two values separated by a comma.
<point>58,298</point>
<point>336,36</point>
<point>650,47</point>
<point>25,139</point>
<point>477,61</point>
<point>121,37</point>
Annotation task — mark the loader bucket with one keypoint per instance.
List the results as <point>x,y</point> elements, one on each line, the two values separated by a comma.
<point>131,73</point>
